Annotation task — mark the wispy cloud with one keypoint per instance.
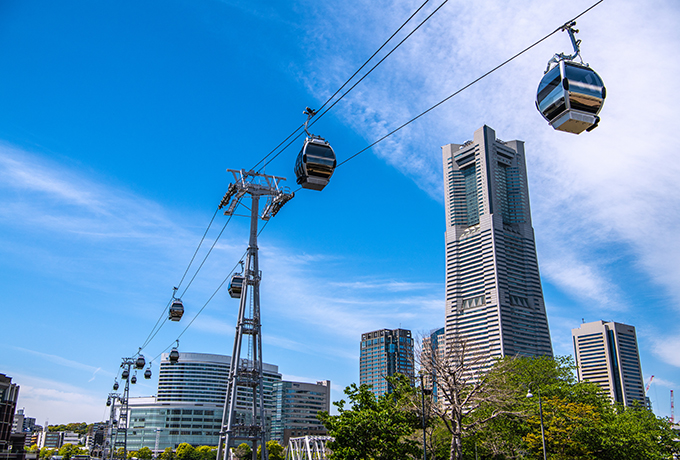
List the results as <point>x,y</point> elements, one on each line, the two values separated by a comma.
<point>613,188</point>
<point>65,362</point>
<point>666,348</point>
<point>57,402</point>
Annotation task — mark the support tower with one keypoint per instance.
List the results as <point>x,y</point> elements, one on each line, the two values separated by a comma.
<point>247,371</point>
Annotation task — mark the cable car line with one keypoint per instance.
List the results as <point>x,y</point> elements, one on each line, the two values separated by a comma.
<point>165,309</point>
<point>157,327</point>
<point>347,82</point>
<point>469,84</point>
<point>365,75</point>
<point>206,257</point>
<point>211,297</point>
<point>197,248</point>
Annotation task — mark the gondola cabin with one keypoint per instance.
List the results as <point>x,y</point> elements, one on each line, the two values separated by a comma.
<point>176,310</point>
<point>147,373</point>
<point>236,286</point>
<point>133,380</point>
<point>140,362</point>
<point>173,357</point>
<point>315,164</point>
<point>570,96</point>
<point>125,374</point>
<point>115,386</point>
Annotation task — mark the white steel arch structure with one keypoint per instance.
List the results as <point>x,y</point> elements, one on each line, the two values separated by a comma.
<point>308,448</point>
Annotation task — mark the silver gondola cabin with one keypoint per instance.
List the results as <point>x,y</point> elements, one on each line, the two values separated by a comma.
<point>236,286</point>
<point>173,357</point>
<point>176,310</point>
<point>571,94</point>
<point>316,161</point>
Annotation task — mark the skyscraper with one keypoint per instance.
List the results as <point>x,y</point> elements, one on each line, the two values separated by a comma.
<point>607,354</point>
<point>385,352</point>
<point>494,299</point>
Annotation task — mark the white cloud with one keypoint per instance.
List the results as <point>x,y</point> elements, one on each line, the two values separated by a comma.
<point>57,402</point>
<point>593,195</point>
<point>65,362</point>
<point>666,348</point>
<point>663,383</point>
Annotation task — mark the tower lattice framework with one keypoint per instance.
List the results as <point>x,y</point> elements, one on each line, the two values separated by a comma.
<point>246,373</point>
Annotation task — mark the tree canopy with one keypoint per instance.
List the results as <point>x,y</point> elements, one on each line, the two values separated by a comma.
<point>375,428</point>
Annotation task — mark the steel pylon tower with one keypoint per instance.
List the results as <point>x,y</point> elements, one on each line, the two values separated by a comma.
<point>122,424</point>
<point>246,373</point>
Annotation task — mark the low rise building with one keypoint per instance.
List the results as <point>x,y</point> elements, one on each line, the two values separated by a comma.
<point>297,406</point>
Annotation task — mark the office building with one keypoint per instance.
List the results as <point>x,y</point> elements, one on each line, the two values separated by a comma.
<point>190,400</point>
<point>385,352</point>
<point>9,393</point>
<point>494,299</point>
<point>607,354</point>
<point>297,406</point>
<point>433,349</point>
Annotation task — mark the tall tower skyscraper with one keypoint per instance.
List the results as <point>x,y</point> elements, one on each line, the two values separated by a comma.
<point>607,354</point>
<point>494,299</point>
<point>385,352</point>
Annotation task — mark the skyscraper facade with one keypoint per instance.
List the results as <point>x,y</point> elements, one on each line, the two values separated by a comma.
<point>494,299</point>
<point>607,354</point>
<point>385,352</point>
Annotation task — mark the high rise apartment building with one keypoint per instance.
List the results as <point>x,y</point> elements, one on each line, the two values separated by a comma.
<point>494,299</point>
<point>385,352</point>
<point>607,354</point>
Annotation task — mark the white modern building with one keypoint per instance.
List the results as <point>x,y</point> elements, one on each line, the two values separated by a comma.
<point>494,298</point>
<point>607,354</point>
<point>190,400</point>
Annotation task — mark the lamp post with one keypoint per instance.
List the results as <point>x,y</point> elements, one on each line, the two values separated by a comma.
<point>423,391</point>
<point>540,413</point>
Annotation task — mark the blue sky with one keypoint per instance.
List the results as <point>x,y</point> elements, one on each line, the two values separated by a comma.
<point>119,121</point>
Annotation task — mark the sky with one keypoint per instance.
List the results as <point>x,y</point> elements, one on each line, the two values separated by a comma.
<point>119,120</point>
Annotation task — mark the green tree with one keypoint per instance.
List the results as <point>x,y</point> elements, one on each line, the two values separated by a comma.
<point>33,448</point>
<point>634,432</point>
<point>69,450</point>
<point>144,453</point>
<point>274,451</point>
<point>132,454</point>
<point>373,428</point>
<point>167,454</point>
<point>46,452</point>
<point>207,452</point>
<point>186,451</point>
<point>243,451</point>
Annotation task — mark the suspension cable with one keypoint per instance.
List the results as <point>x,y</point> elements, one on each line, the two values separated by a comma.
<point>347,82</point>
<point>466,86</point>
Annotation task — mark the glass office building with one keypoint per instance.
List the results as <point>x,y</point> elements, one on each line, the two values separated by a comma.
<point>385,352</point>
